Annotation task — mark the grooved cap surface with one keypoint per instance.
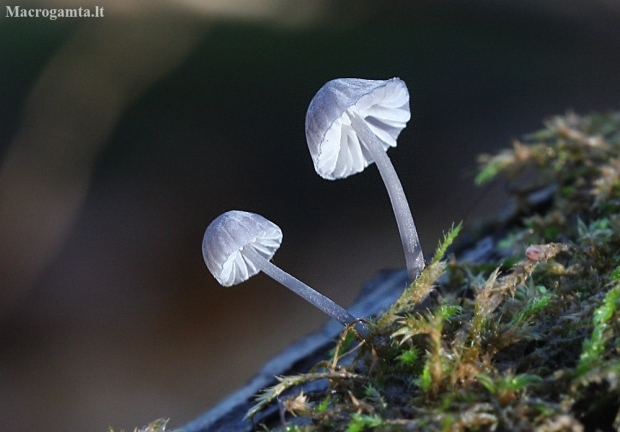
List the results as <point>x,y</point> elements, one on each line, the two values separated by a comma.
<point>333,143</point>
<point>226,238</point>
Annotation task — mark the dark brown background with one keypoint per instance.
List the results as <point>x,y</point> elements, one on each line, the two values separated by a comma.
<point>121,138</point>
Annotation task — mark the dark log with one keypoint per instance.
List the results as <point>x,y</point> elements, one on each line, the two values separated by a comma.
<point>377,295</point>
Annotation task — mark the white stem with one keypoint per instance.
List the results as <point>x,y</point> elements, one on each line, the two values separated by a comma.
<point>408,234</point>
<point>303,290</point>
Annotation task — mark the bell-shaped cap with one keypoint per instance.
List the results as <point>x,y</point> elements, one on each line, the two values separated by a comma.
<point>333,142</point>
<point>229,235</point>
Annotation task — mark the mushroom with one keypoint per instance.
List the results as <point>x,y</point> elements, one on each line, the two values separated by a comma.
<point>350,124</point>
<point>237,245</point>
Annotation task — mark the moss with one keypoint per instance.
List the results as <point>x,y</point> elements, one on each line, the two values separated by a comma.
<point>158,425</point>
<point>528,342</point>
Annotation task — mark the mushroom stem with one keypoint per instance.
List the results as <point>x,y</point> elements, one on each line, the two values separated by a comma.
<point>304,291</point>
<point>408,234</point>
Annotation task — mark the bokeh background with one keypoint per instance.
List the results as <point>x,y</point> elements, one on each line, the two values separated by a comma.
<point>122,137</point>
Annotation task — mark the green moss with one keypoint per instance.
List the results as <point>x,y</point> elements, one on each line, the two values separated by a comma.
<point>530,342</point>
<point>158,425</point>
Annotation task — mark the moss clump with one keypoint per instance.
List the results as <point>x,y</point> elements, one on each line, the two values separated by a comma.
<point>158,425</point>
<point>528,340</point>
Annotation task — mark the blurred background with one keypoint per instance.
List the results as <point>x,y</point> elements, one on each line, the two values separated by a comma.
<point>122,137</point>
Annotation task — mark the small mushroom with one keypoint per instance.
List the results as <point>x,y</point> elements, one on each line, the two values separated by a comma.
<point>350,124</point>
<point>237,245</point>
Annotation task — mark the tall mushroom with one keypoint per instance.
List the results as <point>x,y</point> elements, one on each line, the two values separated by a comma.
<point>350,124</point>
<point>237,245</point>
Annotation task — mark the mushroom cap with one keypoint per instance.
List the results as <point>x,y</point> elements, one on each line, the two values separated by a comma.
<point>228,235</point>
<point>335,148</point>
